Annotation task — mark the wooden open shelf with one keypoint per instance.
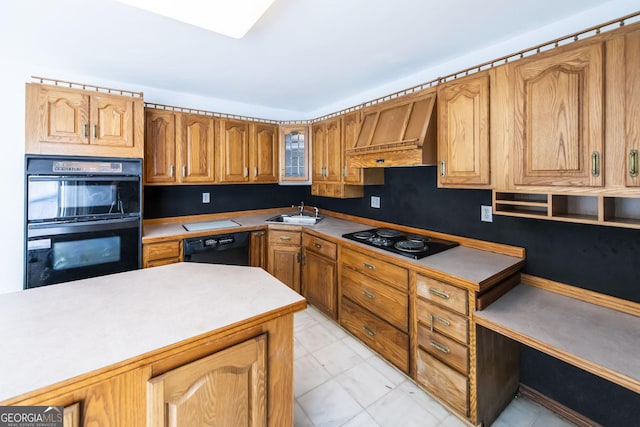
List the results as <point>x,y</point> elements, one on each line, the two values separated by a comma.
<point>587,209</point>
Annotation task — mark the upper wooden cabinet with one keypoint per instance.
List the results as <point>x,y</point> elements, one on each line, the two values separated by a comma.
<point>78,122</point>
<point>327,151</point>
<point>559,118</point>
<point>179,148</point>
<point>350,124</point>
<point>248,152</point>
<point>463,132</point>
<point>632,109</point>
<point>294,153</point>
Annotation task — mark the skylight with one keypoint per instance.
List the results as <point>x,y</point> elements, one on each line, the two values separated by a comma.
<point>232,18</point>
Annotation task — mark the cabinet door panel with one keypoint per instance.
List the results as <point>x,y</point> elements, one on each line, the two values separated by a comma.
<point>226,388</point>
<point>234,151</point>
<point>319,279</point>
<point>350,124</point>
<point>264,153</point>
<point>318,143</point>
<point>197,149</point>
<point>160,146</point>
<point>333,152</point>
<point>111,121</point>
<point>65,117</point>
<point>284,265</point>
<point>632,109</point>
<point>559,119</point>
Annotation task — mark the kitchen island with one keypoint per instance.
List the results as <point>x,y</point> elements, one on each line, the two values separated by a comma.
<point>127,346</point>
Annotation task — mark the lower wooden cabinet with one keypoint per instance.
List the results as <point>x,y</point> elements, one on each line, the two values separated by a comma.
<point>227,388</point>
<point>156,254</point>
<point>447,384</point>
<point>319,274</point>
<point>258,249</point>
<point>285,257</point>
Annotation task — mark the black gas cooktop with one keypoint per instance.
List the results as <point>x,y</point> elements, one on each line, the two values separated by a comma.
<point>410,245</point>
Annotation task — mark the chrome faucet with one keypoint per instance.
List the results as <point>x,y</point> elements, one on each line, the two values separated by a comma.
<point>300,208</point>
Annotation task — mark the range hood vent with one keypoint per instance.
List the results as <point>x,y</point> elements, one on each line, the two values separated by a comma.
<point>400,132</point>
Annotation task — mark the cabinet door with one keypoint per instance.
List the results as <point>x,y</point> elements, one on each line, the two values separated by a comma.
<point>258,249</point>
<point>350,123</point>
<point>319,282</point>
<point>63,115</point>
<point>227,388</point>
<point>196,149</point>
<point>284,264</point>
<point>463,132</point>
<point>333,152</point>
<point>160,147</point>
<point>264,153</point>
<point>632,109</point>
<point>318,143</point>
<point>234,151</point>
<point>558,128</point>
<point>111,120</point>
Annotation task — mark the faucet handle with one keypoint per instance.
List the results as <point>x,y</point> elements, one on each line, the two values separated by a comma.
<point>316,210</point>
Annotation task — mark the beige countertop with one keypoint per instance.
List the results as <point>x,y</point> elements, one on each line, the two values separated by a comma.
<point>467,264</point>
<point>55,333</point>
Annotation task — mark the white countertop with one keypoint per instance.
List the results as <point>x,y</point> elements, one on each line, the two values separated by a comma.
<point>55,333</point>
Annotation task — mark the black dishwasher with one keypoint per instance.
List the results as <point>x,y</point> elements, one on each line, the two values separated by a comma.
<point>231,249</point>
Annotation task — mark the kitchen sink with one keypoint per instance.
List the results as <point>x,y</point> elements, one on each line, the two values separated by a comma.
<point>295,219</point>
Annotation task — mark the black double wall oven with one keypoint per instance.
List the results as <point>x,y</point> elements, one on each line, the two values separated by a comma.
<point>83,218</point>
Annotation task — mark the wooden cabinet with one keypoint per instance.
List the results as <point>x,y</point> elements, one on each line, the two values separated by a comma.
<point>258,249</point>
<point>353,175</point>
<point>179,148</point>
<point>632,109</point>
<point>327,151</point>
<point>162,253</point>
<point>80,122</point>
<point>225,388</point>
<point>463,132</point>
<point>374,304</point>
<point>319,274</point>
<point>71,415</point>
<point>559,118</point>
<point>294,153</point>
<point>248,152</point>
<point>285,257</point>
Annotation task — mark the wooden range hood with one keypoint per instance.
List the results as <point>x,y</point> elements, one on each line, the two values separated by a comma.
<point>399,132</point>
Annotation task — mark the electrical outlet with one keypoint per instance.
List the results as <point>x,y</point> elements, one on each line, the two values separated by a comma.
<point>486,214</point>
<point>206,198</point>
<point>375,202</point>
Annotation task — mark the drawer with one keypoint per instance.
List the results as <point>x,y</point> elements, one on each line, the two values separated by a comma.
<point>318,245</point>
<point>381,270</point>
<point>392,344</point>
<point>284,237</point>
<point>159,262</point>
<point>451,324</point>
<point>383,300</point>
<point>165,250</point>
<point>448,385</point>
<point>443,294</point>
<point>447,350</point>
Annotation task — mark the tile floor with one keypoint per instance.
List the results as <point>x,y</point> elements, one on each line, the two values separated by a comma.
<point>340,382</point>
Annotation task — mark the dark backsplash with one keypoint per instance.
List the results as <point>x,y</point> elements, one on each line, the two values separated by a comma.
<point>602,259</point>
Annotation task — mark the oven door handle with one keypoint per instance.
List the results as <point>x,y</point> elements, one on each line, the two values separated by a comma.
<point>54,229</point>
<point>60,178</point>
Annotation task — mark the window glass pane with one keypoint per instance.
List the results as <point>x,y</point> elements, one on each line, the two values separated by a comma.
<point>294,154</point>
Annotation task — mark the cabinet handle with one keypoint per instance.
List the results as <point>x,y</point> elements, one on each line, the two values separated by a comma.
<point>442,168</point>
<point>344,171</point>
<point>369,266</point>
<point>368,294</point>
<point>172,171</point>
<point>258,233</point>
<point>317,245</point>
<point>438,293</point>
<point>285,237</point>
<point>245,172</point>
<point>368,330</point>
<point>184,171</point>
<point>633,163</point>
<point>595,163</point>
<point>255,171</point>
<point>433,317</point>
<point>438,346</point>
<point>85,130</point>
<point>95,131</point>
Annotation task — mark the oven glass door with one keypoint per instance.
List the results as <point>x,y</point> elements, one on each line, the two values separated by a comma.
<point>58,198</point>
<point>75,251</point>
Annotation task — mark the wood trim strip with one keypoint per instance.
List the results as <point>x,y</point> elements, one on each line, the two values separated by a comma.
<point>556,407</point>
<point>484,300</point>
<point>207,217</point>
<point>614,303</point>
<point>464,241</point>
<point>632,384</point>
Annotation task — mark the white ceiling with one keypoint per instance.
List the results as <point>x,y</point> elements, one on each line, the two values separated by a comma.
<point>302,55</point>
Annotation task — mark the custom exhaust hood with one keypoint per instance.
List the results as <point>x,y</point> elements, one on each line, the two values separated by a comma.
<point>399,132</point>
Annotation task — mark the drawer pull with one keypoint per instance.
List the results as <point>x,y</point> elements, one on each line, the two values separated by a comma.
<point>285,237</point>
<point>258,233</point>
<point>369,331</point>
<point>368,294</point>
<point>317,245</point>
<point>85,132</point>
<point>438,346</point>
<point>439,293</point>
<point>633,163</point>
<point>438,319</point>
<point>595,164</point>
<point>369,266</point>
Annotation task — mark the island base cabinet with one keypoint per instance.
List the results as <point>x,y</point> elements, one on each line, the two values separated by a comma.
<point>227,388</point>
